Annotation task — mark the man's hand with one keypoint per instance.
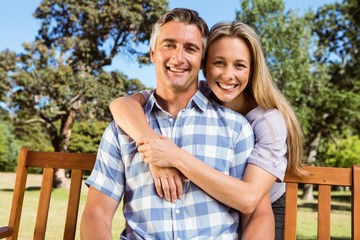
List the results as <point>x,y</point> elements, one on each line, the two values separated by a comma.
<point>168,182</point>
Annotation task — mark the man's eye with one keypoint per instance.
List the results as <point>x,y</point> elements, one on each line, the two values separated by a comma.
<point>191,49</point>
<point>169,45</point>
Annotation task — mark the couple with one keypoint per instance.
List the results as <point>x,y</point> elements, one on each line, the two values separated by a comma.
<point>222,172</point>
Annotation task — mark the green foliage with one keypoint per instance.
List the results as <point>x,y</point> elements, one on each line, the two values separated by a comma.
<point>343,152</point>
<point>59,78</point>
<point>8,147</point>
<point>95,31</point>
<point>33,136</point>
<point>86,136</point>
<point>7,59</point>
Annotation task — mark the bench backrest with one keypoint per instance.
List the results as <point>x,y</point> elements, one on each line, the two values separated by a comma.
<point>325,178</point>
<point>49,162</point>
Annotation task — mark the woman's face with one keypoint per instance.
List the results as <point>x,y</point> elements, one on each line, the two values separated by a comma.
<point>228,69</point>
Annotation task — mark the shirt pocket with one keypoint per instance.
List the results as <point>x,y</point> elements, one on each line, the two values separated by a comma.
<point>216,157</point>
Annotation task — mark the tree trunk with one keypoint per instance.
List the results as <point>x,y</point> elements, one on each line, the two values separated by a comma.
<point>60,180</point>
<point>308,188</point>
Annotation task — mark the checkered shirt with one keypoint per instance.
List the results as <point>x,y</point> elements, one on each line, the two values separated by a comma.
<point>218,136</point>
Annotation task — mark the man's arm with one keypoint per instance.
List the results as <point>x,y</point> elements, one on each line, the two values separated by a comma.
<point>97,217</point>
<point>260,224</point>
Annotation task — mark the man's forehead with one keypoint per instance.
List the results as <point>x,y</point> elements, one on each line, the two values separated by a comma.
<point>176,31</point>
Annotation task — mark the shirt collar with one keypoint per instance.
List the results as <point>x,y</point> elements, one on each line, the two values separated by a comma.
<point>198,100</point>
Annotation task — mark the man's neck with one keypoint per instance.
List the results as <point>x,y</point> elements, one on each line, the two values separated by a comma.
<point>173,102</point>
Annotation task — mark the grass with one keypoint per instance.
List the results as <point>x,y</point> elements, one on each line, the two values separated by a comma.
<point>57,211</point>
<point>306,229</point>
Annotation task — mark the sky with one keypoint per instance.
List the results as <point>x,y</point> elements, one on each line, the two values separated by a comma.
<point>17,25</point>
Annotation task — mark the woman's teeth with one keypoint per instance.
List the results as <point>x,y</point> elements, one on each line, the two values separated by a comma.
<point>227,86</point>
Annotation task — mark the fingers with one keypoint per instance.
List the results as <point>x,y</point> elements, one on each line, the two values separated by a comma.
<point>144,140</point>
<point>178,186</point>
<point>158,187</point>
<point>165,188</point>
<point>170,189</point>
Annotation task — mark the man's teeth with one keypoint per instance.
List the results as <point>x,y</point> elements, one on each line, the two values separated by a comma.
<point>177,70</point>
<point>226,86</point>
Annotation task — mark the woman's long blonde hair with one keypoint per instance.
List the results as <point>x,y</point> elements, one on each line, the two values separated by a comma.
<point>262,88</point>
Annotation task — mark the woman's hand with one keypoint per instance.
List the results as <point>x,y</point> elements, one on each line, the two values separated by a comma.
<point>159,152</point>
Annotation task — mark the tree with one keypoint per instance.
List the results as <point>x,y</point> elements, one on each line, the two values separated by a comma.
<point>343,152</point>
<point>59,78</point>
<point>86,136</point>
<point>8,147</point>
<point>337,28</point>
<point>93,32</point>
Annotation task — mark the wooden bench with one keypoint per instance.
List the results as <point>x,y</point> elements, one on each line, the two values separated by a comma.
<point>48,161</point>
<point>325,177</point>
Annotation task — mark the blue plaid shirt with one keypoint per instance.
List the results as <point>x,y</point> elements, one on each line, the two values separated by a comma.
<point>218,136</point>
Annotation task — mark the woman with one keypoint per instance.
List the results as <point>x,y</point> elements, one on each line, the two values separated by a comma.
<point>236,72</point>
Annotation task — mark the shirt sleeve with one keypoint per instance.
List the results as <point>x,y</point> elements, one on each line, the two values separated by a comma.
<point>270,147</point>
<point>107,175</point>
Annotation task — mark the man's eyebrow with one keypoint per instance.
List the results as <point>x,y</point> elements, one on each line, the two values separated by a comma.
<point>188,44</point>
<point>171,40</point>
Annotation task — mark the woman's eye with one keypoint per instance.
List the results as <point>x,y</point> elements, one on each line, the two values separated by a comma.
<point>218,63</point>
<point>240,66</point>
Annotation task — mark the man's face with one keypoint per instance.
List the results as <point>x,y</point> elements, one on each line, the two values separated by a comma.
<point>177,57</point>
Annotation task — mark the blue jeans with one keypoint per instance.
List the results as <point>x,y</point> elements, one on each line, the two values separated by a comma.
<point>279,213</point>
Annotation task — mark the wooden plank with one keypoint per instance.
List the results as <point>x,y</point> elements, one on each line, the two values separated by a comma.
<point>73,204</point>
<point>61,160</point>
<point>355,213</point>
<point>324,210</point>
<point>324,175</point>
<point>19,192</point>
<point>290,211</point>
<point>44,204</point>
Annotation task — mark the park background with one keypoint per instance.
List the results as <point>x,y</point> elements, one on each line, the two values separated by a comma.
<point>60,68</point>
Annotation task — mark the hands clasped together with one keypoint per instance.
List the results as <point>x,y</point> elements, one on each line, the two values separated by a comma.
<point>161,153</point>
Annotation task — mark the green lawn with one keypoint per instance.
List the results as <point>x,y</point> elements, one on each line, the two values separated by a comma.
<point>307,220</point>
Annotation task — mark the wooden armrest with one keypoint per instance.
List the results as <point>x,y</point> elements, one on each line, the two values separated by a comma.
<point>5,232</point>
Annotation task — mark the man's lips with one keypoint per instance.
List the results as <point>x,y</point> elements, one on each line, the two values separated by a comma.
<point>177,70</point>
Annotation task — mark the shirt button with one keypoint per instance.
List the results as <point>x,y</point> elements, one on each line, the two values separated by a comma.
<point>171,119</point>
<point>177,211</point>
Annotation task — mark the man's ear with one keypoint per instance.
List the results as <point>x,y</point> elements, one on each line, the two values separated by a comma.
<point>152,57</point>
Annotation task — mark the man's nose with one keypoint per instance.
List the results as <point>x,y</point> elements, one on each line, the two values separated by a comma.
<point>178,55</point>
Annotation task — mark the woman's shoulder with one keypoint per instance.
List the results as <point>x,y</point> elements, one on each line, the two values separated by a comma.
<point>271,114</point>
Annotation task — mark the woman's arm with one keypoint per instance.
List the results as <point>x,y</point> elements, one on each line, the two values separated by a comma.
<point>243,195</point>
<point>262,216</point>
<point>129,115</point>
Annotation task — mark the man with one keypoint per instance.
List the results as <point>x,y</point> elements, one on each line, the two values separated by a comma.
<point>177,47</point>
